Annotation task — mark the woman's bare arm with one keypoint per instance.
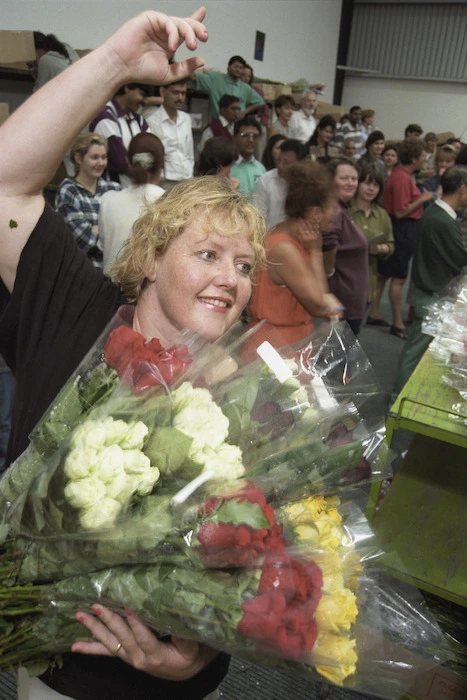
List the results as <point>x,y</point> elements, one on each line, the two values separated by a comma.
<point>35,138</point>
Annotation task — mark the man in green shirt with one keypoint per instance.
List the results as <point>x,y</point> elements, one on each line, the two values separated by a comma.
<point>247,169</point>
<point>230,83</point>
<point>440,256</point>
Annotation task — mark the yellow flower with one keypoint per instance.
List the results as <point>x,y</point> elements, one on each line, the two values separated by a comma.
<point>316,505</point>
<point>337,611</point>
<point>333,501</point>
<point>351,568</point>
<point>330,535</point>
<point>331,567</point>
<point>306,511</point>
<point>307,534</point>
<point>334,657</point>
<point>332,582</point>
<point>333,516</point>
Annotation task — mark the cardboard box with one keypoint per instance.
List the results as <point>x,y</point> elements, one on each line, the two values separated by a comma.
<point>282,90</point>
<point>269,91</point>
<point>324,108</point>
<point>4,112</point>
<point>444,136</point>
<point>16,46</point>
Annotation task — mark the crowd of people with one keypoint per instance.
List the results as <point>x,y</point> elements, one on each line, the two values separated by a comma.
<point>345,212</point>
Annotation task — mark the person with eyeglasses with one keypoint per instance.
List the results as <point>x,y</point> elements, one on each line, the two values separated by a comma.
<point>247,169</point>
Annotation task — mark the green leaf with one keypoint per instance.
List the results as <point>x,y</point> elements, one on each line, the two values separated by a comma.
<point>13,224</point>
<point>98,385</point>
<point>37,668</point>
<point>242,391</point>
<point>338,460</point>
<point>192,601</point>
<point>167,448</point>
<point>238,512</point>
<point>59,420</point>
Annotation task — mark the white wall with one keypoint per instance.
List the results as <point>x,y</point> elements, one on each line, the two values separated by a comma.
<point>301,35</point>
<point>436,106</point>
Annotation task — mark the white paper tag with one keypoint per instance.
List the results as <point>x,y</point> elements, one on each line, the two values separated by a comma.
<point>323,396</point>
<point>274,361</point>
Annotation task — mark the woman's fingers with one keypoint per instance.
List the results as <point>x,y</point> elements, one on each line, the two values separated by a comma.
<point>111,636</point>
<point>182,69</point>
<point>175,30</point>
<point>144,636</point>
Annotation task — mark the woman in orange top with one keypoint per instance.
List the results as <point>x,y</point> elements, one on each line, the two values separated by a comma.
<point>292,288</point>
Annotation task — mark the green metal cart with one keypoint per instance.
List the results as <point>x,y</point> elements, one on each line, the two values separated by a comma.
<point>423,519</point>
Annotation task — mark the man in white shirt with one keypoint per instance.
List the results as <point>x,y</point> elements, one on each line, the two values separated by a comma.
<point>173,126</point>
<point>303,121</point>
<point>271,188</point>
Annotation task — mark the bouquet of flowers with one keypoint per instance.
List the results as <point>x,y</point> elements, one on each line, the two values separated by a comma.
<point>137,429</point>
<point>189,485</point>
<point>313,604</point>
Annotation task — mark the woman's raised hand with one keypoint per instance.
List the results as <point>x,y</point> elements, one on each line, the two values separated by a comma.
<point>308,234</point>
<point>144,45</point>
<point>132,641</point>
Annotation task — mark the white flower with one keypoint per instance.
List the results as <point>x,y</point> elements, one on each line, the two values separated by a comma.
<point>200,453</point>
<point>226,462</point>
<point>122,488</point>
<point>115,430</point>
<point>84,493</point>
<point>135,462</point>
<point>186,394</point>
<point>203,421</point>
<point>91,433</point>
<point>80,462</point>
<point>135,436</point>
<point>109,463</point>
<point>100,515</point>
<point>147,480</point>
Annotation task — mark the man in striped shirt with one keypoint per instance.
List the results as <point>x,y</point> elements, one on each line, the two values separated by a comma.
<point>118,122</point>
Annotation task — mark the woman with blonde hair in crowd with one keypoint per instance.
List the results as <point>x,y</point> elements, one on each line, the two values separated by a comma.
<point>292,288</point>
<point>78,199</point>
<point>120,209</point>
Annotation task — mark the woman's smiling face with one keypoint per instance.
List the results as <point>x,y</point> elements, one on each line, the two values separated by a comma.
<point>202,282</point>
<point>94,161</point>
<point>346,181</point>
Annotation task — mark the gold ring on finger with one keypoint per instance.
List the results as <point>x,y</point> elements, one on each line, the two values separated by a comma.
<point>117,649</point>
